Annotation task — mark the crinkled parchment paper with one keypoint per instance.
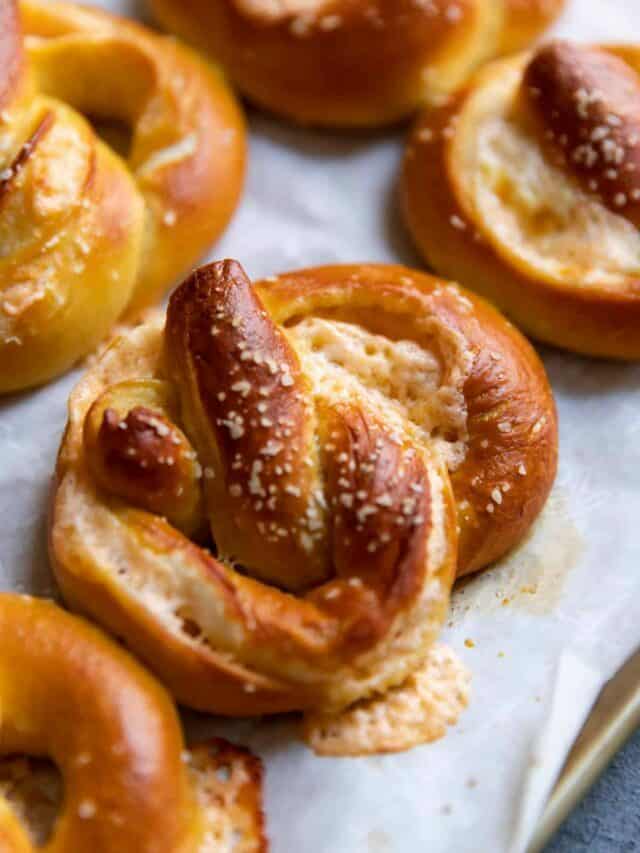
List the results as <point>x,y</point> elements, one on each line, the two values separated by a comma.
<point>541,632</point>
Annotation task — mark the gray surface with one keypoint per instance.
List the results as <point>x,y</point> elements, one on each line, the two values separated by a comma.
<point>608,819</point>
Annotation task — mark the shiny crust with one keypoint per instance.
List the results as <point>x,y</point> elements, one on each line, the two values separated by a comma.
<point>526,20</point>
<point>110,233</point>
<point>586,102</point>
<point>140,454</point>
<point>71,694</point>
<point>334,49</point>
<point>378,560</point>
<point>220,392</point>
<point>319,62</point>
<point>594,320</point>
<point>338,638</point>
<point>511,417</point>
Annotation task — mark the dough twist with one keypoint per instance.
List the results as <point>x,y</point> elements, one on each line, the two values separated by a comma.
<point>90,228</point>
<point>333,436</point>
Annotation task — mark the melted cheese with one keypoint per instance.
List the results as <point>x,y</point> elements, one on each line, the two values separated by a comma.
<point>532,211</point>
<point>417,711</point>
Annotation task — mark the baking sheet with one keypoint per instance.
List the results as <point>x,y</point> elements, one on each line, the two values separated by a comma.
<point>611,723</point>
<point>547,627</point>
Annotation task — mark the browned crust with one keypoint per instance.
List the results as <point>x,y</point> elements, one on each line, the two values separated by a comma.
<point>189,200</point>
<point>352,611</point>
<point>587,105</point>
<point>72,694</point>
<point>325,69</point>
<point>328,627</point>
<point>196,676</point>
<point>385,551</point>
<point>214,320</point>
<point>510,406</point>
<point>92,289</point>
<point>242,391</point>
<point>132,452</point>
<point>592,321</point>
<point>143,457</point>
<point>507,385</point>
<point>142,223</point>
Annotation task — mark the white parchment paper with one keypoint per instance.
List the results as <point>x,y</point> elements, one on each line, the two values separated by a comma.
<point>541,632</point>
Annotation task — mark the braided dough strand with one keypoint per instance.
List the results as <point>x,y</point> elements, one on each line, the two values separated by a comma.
<point>335,416</point>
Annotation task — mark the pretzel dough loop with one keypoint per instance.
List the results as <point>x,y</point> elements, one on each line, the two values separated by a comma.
<point>89,229</point>
<point>534,193</point>
<point>68,693</point>
<point>319,61</point>
<point>339,431</point>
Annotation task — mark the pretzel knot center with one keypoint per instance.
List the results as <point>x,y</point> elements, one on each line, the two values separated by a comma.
<point>331,520</point>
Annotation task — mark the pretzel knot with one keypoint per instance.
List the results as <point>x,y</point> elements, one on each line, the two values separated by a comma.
<point>314,442</point>
<point>121,160</point>
<point>534,192</point>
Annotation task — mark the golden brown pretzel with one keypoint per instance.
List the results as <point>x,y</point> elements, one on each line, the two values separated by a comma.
<point>324,410</point>
<point>349,62</point>
<point>526,188</point>
<point>70,694</point>
<point>85,231</point>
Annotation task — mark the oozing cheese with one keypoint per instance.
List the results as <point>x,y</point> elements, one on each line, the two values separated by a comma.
<point>530,209</point>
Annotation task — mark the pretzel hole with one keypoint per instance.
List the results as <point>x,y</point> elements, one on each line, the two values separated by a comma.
<point>33,789</point>
<point>80,70</point>
<point>118,135</point>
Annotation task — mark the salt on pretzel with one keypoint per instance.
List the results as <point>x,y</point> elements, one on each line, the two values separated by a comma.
<point>90,228</point>
<point>338,430</point>
<point>70,694</point>
<point>526,188</point>
<point>353,62</point>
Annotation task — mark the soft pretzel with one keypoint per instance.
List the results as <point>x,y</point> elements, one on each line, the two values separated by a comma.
<point>351,62</point>
<point>85,231</point>
<point>527,189</point>
<point>70,694</point>
<point>334,428</point>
